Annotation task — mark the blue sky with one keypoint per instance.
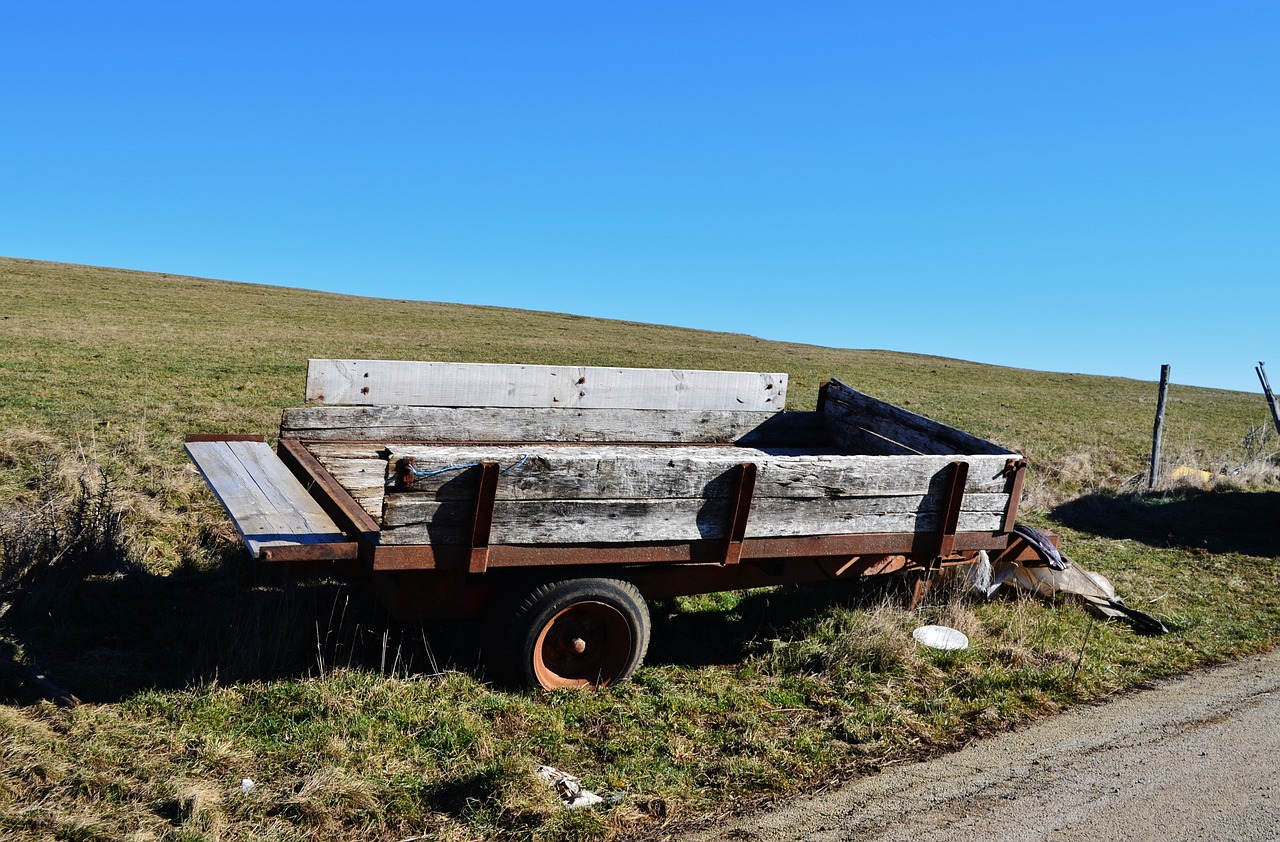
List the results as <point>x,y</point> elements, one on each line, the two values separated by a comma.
<point>1067,186</point>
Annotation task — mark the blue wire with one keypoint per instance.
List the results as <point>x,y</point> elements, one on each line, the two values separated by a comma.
<point>436,471</point>
<point>523,459</point>
<point>418,473</point>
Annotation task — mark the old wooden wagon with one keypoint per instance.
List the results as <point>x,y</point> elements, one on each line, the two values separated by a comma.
<point>559,498</point>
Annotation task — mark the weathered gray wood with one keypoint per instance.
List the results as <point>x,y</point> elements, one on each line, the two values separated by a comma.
<point>1157,433</point>
<point>847,433</point>
<point>871,425</point>
<point>359,468</point>
<point>606,521</point>
<point>265,501</point>
<point>411,383</point>
<point>446,424</point>
<point>567,472</point>
<point>1261,370</point>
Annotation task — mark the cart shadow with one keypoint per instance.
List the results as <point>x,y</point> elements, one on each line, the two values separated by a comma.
<point>1213,521</point>
<point>106,638</point>
<point>727,636</point>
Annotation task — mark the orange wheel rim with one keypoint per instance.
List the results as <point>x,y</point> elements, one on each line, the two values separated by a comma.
<point>586,644</point>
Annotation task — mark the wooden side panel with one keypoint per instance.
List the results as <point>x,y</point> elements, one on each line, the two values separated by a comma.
<point>567,472</point>
<point>267,503</point>
<point>863,424</point>
<point>359,468</point>
<point>605,521</point>
<point>391,382</point>
<point>575,494</point>
<point>497,424</point>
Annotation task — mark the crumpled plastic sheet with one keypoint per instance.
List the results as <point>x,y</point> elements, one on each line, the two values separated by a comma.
<point>568,787</point>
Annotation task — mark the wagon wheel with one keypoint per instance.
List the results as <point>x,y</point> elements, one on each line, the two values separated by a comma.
<point>579,633</point>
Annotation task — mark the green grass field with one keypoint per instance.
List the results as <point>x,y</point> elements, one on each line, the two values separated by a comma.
<point>198,670</point>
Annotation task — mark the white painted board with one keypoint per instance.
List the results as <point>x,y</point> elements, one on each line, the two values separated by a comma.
<point>413,383</point>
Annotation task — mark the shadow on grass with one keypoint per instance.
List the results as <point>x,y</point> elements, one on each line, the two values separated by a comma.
<point>724,636</point>
<point>1214,521</point>
<point>106,638</point>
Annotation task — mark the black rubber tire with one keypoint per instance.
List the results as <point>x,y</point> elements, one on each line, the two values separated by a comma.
<point>577,633</point>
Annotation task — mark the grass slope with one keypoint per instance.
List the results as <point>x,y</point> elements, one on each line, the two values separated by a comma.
<point>200,673</point>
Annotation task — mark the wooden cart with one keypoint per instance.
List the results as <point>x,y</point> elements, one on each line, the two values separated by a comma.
<point>559,498</point>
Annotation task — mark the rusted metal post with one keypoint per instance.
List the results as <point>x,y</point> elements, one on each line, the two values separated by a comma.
<point>1016,468</point>
<point>740,512</point>
<point>1266,390</point>
<point>1158,434</point>
<point>951,510</point>
<point>482,517</point>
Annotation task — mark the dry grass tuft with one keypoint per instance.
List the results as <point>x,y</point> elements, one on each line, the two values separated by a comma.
<point>332,798</point>
<point>200,808</point>
<point>846,642</point>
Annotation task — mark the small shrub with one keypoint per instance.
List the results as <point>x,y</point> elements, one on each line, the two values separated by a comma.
<point>46,547</point>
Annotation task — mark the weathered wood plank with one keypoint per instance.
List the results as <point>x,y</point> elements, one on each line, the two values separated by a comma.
<point>870,425</point>
<point>406,511</point>
<point>607,521</point>
<point>496,424</point>
<point>412,383</point>
<point>567,472</point>
<point>360,469</point>
<point>265,501</point>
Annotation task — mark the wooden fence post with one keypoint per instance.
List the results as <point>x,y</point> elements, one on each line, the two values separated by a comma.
<point>1266,390</point>
<point>1158,434</point>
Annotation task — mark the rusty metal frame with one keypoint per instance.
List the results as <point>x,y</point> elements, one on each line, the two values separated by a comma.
<point>197,437</point>
<point>915,545</point>
<point>334,551</point>
<point>1021,552</point>
<point>741,511</point>
<point>951,508</point>
<point>1017,468</point>
<point>482,518</point>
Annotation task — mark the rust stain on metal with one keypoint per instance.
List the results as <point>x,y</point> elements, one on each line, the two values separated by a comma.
<point>1017,468</point>
<point>405,475</point>
<point>741,511</point>
<point>844,568</point>
<point>199,437</point>
<point>341,551</point>
<point>886,564</point>
<point>482,520</point>
<point>951,517</point>
<point>679,554</point>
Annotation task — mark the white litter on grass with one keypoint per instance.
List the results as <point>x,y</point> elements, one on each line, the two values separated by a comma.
<point>979,574</point>
<point>246,785</point>
<point>941,637</point>
<point>568,787</point>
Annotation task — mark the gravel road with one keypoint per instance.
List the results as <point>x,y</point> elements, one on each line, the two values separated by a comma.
<point>1194,757</point>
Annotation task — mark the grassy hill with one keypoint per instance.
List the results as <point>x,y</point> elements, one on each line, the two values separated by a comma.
<point>202,673</point>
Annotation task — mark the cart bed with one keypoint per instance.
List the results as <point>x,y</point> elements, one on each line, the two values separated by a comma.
<point>539,464</point>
